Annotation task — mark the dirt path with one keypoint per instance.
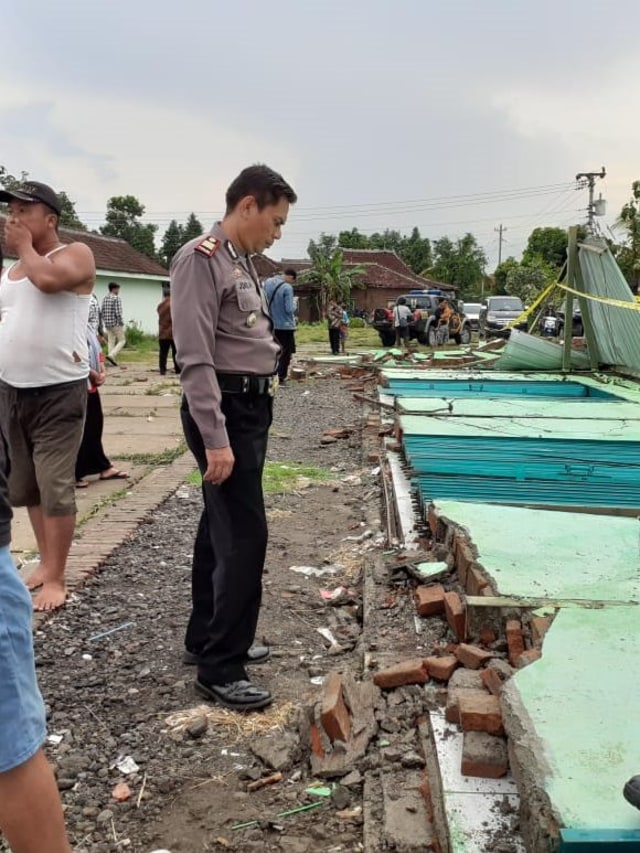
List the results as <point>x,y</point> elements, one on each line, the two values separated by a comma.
<point>109,694</point>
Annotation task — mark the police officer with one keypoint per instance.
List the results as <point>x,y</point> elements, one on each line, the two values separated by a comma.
<point>228,357</point>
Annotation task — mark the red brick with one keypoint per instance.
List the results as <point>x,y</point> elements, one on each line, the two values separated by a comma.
<point>334,716</point>
<point>452,709</point>
<point>441,668</point>
<point>316,741</point>
<point>492,681</point>
<point>425,790</point>
<point>484,755</point>
<point>455,613</point>
<point>413,671</point>
<point>432,518</point>
<point>472,657</point>
<point>539,627</point>
<point>487,636</point>
<point>527,657</point>
<point>515,640</point>
<point>475,581</point>
<point>429,600</point>
<point>480,712</point>
<point>373,457</point>
<point>464,558</point>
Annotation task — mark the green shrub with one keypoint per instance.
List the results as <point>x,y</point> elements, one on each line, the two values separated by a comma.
<point>134,334</point>
<point>357,323</point>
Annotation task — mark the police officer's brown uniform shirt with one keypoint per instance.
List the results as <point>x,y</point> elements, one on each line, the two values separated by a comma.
<point>221,324</point>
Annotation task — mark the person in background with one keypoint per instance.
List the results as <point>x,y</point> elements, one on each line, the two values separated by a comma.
<point>443,316</point>
<point>165,332</point>
<point>334,321</point>
<point>113,322</point>
<point>95,317</point>
<point>344,329</point>
<point>401,318</point>
<point>91,456</point>
<point>279,293</point>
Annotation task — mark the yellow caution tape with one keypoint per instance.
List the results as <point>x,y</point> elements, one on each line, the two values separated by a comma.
<point>618,303</point>
<point>532,307</point>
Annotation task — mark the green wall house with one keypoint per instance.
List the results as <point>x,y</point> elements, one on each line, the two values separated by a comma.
<point>140,278</point>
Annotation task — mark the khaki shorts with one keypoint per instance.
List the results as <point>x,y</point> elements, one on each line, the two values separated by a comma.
<point>43,430</point>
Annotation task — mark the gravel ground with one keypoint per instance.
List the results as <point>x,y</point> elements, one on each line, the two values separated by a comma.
<point>109,694</point>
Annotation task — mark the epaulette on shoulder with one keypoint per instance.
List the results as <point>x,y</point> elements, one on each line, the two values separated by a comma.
<point>208,247</point>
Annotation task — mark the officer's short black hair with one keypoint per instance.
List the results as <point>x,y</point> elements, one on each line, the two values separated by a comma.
<point>113,285</point>
<point>291,273</point>
<point>265,185</point>
<point>402,300</point>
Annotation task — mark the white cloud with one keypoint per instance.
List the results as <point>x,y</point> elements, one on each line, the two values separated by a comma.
<point>173,160</point>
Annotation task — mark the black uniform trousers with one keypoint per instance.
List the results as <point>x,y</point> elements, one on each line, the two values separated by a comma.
<point>166,344</point>
<point>287,340</point>
<point>231,542</point>
<point>334,339</point>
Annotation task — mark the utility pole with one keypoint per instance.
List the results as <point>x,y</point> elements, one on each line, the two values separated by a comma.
<point>592,212</point>
<point>500,231</point>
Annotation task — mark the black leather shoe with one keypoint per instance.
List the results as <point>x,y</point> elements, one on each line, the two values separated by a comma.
<point>631,791</point>
<point>256,654</point>
<point>236,695</point>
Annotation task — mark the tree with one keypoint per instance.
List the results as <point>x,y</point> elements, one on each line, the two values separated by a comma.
<point>501,274</point>
<point>353,240</point>
<point>123,221</point>
<point>628,256</point>
<point>192,228</point>
<point>529,280</point>
<point>549,244</point>
<point>328,271</point>
<point>172,240</point>
<point>461,263</point>
<point>68,216</point>
<point>414,250</point>
<point>177,235</point>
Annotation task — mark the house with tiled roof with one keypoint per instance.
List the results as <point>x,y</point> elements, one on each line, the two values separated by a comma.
<point>385,276</point>
<point>140,278</point>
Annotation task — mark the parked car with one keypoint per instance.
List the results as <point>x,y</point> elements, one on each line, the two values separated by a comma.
<point>577,326</point>
<point>422,326</point>
<point>497,313</point>
<point>472,313</point>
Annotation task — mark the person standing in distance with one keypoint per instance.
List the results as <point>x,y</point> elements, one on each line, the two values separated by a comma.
<point>228,356</point>
<point>165,332</point>
<point>44,366</point>
<point>279,292</point>
<point>113,322</point>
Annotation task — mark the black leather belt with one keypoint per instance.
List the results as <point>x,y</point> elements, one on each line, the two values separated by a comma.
<point>235,383</point>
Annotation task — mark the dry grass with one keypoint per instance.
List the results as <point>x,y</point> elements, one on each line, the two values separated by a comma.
<point>237,725</point>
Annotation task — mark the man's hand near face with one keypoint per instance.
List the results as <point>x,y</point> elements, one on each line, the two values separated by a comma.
<point>17,236</point>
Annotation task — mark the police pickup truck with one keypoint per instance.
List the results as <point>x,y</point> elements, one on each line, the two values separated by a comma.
<point>422,326</point>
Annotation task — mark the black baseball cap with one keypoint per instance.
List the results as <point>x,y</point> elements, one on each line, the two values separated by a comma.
<point>34,191</point>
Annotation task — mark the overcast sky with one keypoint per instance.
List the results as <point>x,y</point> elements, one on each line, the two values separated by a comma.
<point>454,116</point>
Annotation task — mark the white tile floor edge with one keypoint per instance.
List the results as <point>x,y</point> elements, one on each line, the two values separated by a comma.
<point>474,807</point>
<point>408,534</point>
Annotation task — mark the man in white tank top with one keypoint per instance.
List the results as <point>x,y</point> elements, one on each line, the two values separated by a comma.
<point>44,306</point>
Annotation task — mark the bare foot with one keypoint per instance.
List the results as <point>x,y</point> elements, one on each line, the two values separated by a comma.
<point>52,596</point>
<point>36,578</point>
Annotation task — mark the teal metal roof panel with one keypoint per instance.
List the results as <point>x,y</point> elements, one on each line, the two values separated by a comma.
<point>617,329</point>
